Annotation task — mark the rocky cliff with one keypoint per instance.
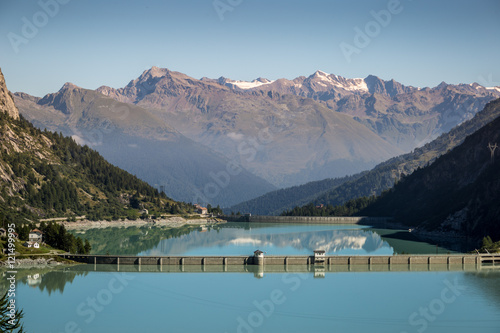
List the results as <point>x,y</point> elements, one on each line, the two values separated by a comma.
<point>6,100</point>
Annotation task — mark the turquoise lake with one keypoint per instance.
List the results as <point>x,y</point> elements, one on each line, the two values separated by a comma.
<point>248,299</point>
<point>82,300</point>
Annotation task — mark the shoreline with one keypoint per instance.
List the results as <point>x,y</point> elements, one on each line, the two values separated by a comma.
<point>45,260</point>
<point>40,262</point>
<point>450,239</point>
<point>172,222</point>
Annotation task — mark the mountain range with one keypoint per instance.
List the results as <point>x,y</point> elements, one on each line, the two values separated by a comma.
<point>283,132</point>
<point>405,116</point>
<point>285,139</point>
<point>138,141</point>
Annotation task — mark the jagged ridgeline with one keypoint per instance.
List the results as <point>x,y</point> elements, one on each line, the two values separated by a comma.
<point>45,174</point>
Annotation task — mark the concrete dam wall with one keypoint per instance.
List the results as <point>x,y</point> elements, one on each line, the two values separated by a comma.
<point>307,219</point>
<point>283,260</point>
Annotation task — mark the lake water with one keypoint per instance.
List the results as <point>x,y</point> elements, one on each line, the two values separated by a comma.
<point>245,238</point>
<point>80,299</point>
<point>248,299</point>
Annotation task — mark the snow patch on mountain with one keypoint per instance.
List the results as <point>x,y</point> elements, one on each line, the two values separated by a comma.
<point>332,80</point>
<point>493,88</point>
<point>250,85</point>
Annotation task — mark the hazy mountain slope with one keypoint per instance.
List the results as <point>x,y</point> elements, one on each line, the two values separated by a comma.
<point>459,192</point>
<point>383,175</point>
<point>275,202</point>
<point>44,174</point>
<point>287,140</point>
<point>140,142</point>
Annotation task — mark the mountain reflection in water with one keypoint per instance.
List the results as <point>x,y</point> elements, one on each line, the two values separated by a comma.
<point>290,240</point>
<point>245,238</point>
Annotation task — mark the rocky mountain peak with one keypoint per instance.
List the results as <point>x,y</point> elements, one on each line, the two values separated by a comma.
<point>442,85</point>
<point>391,88</point>
<point>105,90</point>
<point>320,73</point>
<point>69,86</point>
<point>155,72</point>
<point>262,80</point>
<point>375,84</point>
<point>65,98</point>
<point>6,100</point>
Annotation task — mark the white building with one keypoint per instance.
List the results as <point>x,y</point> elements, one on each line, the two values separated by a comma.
<point>35,236</point>
<point>319,256</point>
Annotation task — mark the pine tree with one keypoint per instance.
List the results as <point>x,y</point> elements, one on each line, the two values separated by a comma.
<point>87,247</point>
<point>79,246</point>
<point>7,324</point>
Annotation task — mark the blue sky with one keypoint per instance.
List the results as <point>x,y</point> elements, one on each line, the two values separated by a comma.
<point>94,43</point>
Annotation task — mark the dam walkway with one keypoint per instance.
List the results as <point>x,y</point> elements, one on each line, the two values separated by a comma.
<point>405,259</point>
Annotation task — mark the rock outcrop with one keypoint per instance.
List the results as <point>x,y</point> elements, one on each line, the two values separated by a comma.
<point>6,100</point>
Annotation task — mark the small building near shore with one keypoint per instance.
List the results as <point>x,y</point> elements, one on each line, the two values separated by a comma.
<point>30,244</point>
<point>202,210</point>
<point>35,236</point>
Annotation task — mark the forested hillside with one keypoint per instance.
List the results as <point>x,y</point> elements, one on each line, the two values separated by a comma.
<point>44,174</point>
<point>383,176</point>
<point>275,202</point>
<point>459,192</point>
<point>47,175</point>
